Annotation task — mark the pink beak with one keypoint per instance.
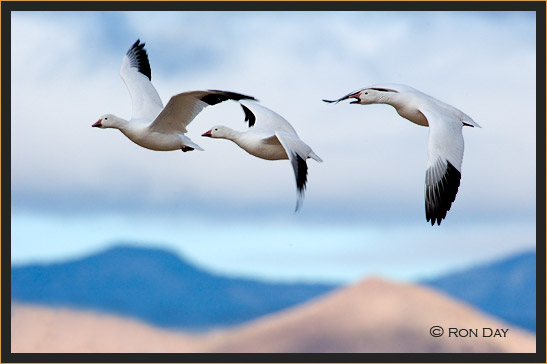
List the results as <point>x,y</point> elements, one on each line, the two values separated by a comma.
<point>97,124</point>
<point>207,134</point>
<point>355,95</point>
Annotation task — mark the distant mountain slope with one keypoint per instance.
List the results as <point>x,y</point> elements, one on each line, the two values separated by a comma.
<point>374,316</point>
<point>155,286</point>
<point>505,288</point>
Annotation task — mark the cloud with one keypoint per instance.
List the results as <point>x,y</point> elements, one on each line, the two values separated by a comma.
<point>65,75</point>
<point>364,209</point>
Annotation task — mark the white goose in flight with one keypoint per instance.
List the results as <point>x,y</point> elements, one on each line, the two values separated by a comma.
<point>270,137</point>
<point>445,149</point>
<point>151,125</point>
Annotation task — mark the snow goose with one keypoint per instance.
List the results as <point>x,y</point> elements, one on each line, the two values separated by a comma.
<point>151,125</point>
<point>270,137</point>
<point>445,149</point>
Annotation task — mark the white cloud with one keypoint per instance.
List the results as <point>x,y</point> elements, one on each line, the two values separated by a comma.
<point>275,59</point>
<point>65,75</point>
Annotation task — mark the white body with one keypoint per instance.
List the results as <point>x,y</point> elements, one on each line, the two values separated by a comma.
<point>140,134</point>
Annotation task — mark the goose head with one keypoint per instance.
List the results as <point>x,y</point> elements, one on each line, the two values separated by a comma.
<point>220,132</point>
<point>367,96</point>
<point>107,121</point>
<point>372,95</point>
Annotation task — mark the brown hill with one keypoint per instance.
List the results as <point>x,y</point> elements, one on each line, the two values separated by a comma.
<point>40,329</point>
<point>372,316</point>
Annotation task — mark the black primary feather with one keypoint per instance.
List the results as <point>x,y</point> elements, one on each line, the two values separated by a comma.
<point>138,58</point>
<point>439,197</point>
<point>301,173</point>
<point>249,116</point>
<point>217,96</point>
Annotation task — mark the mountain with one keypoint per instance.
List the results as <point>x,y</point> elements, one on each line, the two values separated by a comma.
<point>160,288</point>
<point>506,288</point>
<point>373,316</point>
<point>155,286</point>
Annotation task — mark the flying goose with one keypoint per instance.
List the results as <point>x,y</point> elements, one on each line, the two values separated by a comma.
<point>445,149</point>
<point>270,137</point>
<point>151,125</point>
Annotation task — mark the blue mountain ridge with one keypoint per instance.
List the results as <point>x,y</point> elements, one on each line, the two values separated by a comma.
<point>505,288</point>
<point>155,286</point>
<point>160,288</point>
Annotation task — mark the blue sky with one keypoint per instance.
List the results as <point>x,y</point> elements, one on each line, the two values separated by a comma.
<point>77,189</point>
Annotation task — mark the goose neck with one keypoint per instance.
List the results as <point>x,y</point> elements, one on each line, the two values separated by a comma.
<point>233,135</point>
<point>389,98</point>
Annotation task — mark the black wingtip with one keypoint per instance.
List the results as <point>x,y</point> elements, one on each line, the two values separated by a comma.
<point>439,197</point>
<point>301,174</point>
<point>138,58</point>
<point>331,101</point>
<point>249,116</point>
<point>218,96</point>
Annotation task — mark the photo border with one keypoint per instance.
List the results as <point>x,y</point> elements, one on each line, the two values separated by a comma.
<point>7,7</point>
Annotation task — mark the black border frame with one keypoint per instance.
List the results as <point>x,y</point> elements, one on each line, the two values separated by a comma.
<point>539,7</point>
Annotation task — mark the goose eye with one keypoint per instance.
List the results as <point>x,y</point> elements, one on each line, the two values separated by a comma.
<point>366,93</point>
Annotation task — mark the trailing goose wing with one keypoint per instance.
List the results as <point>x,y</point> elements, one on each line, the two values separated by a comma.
<point>443,174</point>
<point>297,151</point>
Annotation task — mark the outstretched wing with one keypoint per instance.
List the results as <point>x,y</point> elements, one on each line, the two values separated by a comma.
<point>443,174</point>
<point>297,151</point>
<point>184,107</point>
<point>136,74</point>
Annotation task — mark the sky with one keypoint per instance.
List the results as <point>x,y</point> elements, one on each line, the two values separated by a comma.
<point>76,190</point>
